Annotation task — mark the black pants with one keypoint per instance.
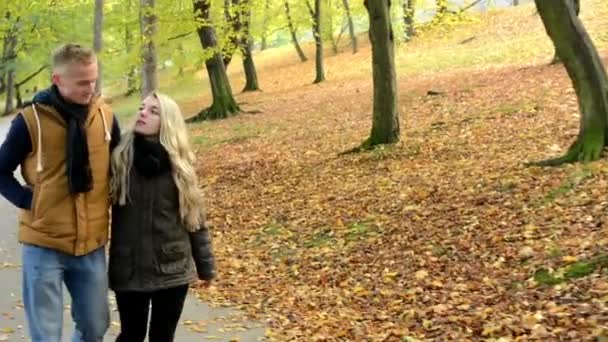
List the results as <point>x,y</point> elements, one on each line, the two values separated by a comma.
<point>133,309</point>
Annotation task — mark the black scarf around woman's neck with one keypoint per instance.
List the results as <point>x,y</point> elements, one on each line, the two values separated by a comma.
<point>78,167</point>
<point>150,157</point>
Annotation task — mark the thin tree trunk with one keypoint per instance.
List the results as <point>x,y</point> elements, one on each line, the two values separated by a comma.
<point>251,74</point>
<point>351,27</point>
<point>408,19</point>
<point>5,55</point>
<point>250,70</point>
<point>148,29</point>
<point>98,40</point>
<point>224,104</point>
<point>18,96</point>
<point>316,31</point>
<point>264,44</point>
<point>385,125</point>
<point>234,31</point>
<point>11,57</point>
<point>515,2</point>
<point>292,30</point>
<point>132,73</point>
<point>329,31</point>
<point>10,91</point>
<point>584,66</point>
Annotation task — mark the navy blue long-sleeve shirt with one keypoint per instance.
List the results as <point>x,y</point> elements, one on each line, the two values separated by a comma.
<point>13,152</point>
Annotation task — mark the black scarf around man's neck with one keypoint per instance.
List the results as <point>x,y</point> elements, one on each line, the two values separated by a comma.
<point>150,158</point>
<point>78,167</point>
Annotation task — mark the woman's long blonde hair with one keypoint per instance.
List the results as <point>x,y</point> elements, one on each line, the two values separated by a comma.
<point>174,138</point>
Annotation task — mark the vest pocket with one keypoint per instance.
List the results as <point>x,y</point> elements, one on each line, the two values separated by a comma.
<point>34,204</point>
<point>172,258</point>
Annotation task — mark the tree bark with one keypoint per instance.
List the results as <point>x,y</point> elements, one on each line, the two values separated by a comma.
<point>577,9</point>
<point>251,74</point>
<point>385,125</point>
<point>235,23</point>
<point>264,43</point>
<point>515,2</point>
<point>329,30</point>
<point>98,41</point>
<point>148,29</point>
<point>408,19</point>
<point>292,30</point>
<point>223,104</point>
<point>316,31</point>
<point>10,91</point>
<point>584,66</point>
<point>6,52</point>
<point>10,59</point>
<point>351,27</point>
<point>132,86</point>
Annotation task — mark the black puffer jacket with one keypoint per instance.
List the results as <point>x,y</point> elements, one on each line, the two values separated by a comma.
<point>150,248</point>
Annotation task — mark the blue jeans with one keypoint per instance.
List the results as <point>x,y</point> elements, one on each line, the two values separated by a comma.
<point>44,272</point>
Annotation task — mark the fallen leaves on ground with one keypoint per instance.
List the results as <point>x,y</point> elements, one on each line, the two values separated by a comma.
<point>437,237</point>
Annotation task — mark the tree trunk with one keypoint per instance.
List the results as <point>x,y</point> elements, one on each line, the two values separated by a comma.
<point>249,66</point>
<point>132,86</point>
<point>4,59</point>
<point>10,59</point>
<point>251,74</point>
<point>292,30</point>
<point>235,23</point>
<point>515,2</point>
<point>584,66</point>
<point>577,9</point>
<point>98,40</point>
<point>264,44</point>
<point>10,91</point>
<point>224,104</point>
<point>148,30</point>
<point>18,96</point>
<point>316,31</point>
<point>132,74</point>
<point>329,30</point>
<point>442,8</point>
<point>408,19</point>
<point>385,125</point>
<point>351,26</point>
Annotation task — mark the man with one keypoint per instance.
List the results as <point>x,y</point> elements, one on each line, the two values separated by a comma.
<point>62,142</point>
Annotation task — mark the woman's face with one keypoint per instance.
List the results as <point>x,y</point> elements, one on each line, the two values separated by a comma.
<point>148,118</point>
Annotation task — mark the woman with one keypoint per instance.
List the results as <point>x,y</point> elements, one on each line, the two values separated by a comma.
<point>158,227</point>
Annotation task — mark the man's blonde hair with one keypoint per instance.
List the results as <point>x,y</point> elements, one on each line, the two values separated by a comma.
<point>71,52</point>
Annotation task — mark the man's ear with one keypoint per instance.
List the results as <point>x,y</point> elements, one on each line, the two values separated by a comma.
<point>56,78</point>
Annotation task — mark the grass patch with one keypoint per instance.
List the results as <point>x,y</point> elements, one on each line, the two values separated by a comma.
<point>237,133</point>
<point>576,270</point>
<point>320,238</point>
<point>506,186</point>
<point>360,230</point>
<point>568,185</point>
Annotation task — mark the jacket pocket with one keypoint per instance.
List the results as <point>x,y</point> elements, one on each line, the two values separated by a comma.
<point>120,265</point>
<point>173,257</point>
<point>35,194</point>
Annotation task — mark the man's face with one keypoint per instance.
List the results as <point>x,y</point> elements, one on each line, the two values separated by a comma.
<point>76,81</point>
